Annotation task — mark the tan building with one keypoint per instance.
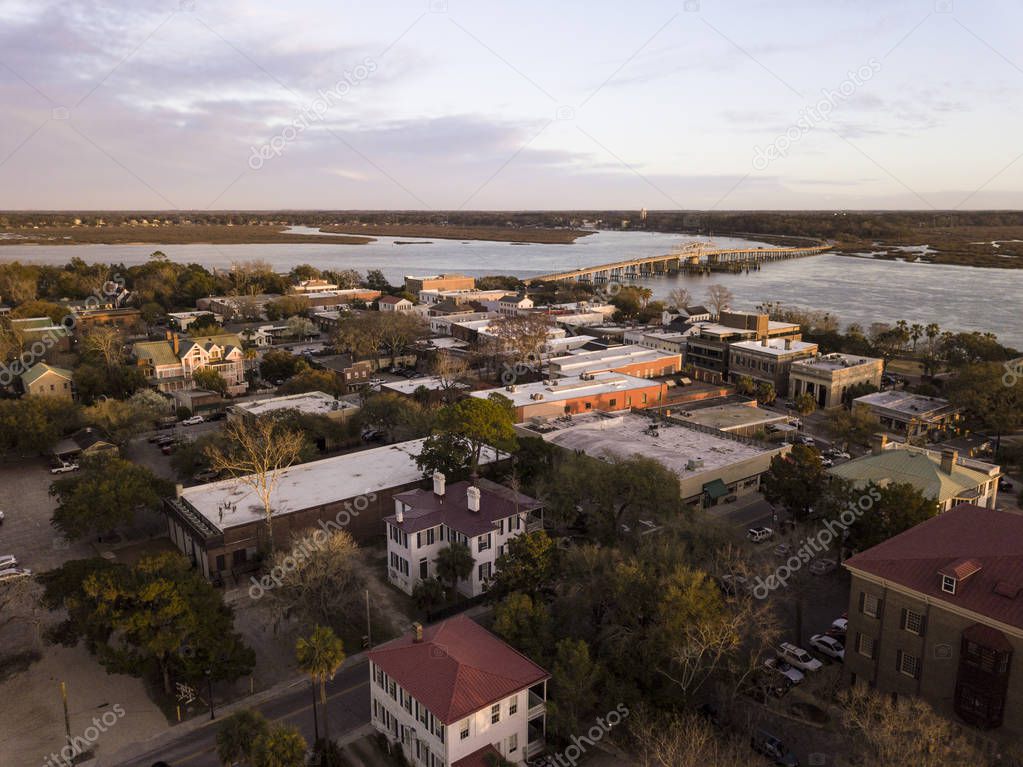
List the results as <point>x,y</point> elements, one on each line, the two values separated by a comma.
<point>394,304</point>
<point>911,416</point>
<point>442,282</point>
<point>44,380</point>
<point>768,360</point>
<point>937,612</point>
<point>306,403</point>
<point>827,378</point>
<point>169,365</point>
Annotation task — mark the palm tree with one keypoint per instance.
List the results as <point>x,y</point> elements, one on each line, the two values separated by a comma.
<point>454,563</point>
<point>320,656</point>
<point>238,735</point>
<point>281,746</point>
<point>915,333</point>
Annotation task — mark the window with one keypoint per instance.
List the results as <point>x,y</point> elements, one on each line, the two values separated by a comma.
<point>948,584</point>
<point>495,713</point>
<point>870,605</point>
<point>483,542</point>
<point>500,527</point>
<point>465,729</point>
<point>613,402</point>
<point>907,664</point>
<point>484,572</point>
<point>913,622</point>
<point>513,707</point>
<point>865,645</point>
<point>513,743</point>
<point>430,536</point>
<point>424,569</point>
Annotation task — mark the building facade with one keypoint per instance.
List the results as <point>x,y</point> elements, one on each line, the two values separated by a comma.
<point>170,365</point>
<point>483,517</point>
<point>768,360</point>
<point>828,377</point>
<point>454,695</point>
<point>44,380</point>
<point>937,613</point>
<point>441,282</point>
<point>911,416</point>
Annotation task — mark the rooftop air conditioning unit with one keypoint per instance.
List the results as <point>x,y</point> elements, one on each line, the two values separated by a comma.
<point>694,463</point>
<point>536,396</point>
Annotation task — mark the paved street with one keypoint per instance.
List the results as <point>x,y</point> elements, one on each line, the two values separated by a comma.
<point>348,707</point>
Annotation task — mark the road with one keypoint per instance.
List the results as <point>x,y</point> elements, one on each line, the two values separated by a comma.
<point>347,704</point>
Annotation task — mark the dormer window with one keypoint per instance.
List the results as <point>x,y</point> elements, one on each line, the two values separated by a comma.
<point>948,584</point>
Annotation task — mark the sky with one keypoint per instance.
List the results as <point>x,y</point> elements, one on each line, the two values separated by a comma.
<point>477,104</point>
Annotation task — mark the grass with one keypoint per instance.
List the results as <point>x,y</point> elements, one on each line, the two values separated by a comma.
<point>957,245</point>
<point>441,232</point>
<point>165,234</point>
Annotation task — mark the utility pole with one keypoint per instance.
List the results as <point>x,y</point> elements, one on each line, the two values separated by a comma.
<point>369,630</point>
<point>67,718</point>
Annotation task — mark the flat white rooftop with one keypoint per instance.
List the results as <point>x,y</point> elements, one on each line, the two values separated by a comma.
<point>567,388</point>
<point>409,386</point>
<point>580,362</point>
<point>313,403</point>
<point>775,346</point>
<point>905,403</point>
<point>835,361</point>
<point>626,434</point>
<point>230,502</point>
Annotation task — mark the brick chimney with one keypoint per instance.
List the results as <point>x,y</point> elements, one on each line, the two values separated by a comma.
<point>472,495</point>
<point>878,443</point>
<point>949,458</point>
<point>417,631</point>
<point>439,481</point>
<point>176,342</point>
<point>788,344</point>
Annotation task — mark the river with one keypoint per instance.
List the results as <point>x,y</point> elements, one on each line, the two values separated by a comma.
<point>862,290</point>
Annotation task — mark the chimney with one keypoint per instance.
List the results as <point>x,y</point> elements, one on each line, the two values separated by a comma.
<point>763,342</point>
<point>788,344</point>
<point>167,334</point>
<point>438,483</point>
<point>877,443</point>
<point>176,343</point>
<point>178,490</point>
<point>399,512</point>
<point>949,459</point>
<point>472,495</point>
<point>417,629</point>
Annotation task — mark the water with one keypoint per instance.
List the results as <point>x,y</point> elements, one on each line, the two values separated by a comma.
<point>862,290</point>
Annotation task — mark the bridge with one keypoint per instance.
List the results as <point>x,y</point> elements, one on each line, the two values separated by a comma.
<point>698,256</point>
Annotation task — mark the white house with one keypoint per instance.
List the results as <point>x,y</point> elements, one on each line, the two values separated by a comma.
<point>483,517</point>
<point>454,695</point>
<point>513,303</point>
<point>394,304</point>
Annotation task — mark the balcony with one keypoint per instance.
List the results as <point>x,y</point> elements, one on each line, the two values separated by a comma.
<point>537,705</point>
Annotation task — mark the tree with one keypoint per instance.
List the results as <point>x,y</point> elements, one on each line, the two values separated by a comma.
<point>480,423</point>
<point>210,378</point>
<point>981,390</point>
<point>745,385</point>
<point>855,427</point>
<point>33,425</point>
<point>321,582</point>
<point>893,509</point>
<point>106,493</point>
<point>375,280</point>
<point>307,380</point>
<point>428,594</point>
<point>282,746</point>
<point>679,298</point>
<point>720,298</point>
<point>805,403</point>
<point>158,613</point>
<point>683,740</point>
<point>520,338</point>
<point>795,480</point>
<point>286,306</point>
<point>320,656</point>
<point>105,342</point>
<point>397,416</point>
<point>454,564</point>
<point>300,327</point>
<point>120,420</point>
<point>451,455</point>
<point>527,565</point>
<point>525,623</point>
<point>574,679</point>
<point>279,365</point>
<point>399,330</point>
<point>237,735</point>
<point>257,455</point>
<point>765,393</point>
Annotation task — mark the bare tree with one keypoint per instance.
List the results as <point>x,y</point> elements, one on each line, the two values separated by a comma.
<point>521,337</point>
<point>106,342</point>
<point>452,373</point>
<point>256,454</point>
<point>680,298</point>
<point>720,298</point>
<point>683,741</point>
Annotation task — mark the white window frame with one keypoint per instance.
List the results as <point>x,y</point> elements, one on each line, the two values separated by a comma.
<point>949,583</point>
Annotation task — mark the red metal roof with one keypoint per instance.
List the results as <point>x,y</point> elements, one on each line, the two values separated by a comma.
<point>477,758</point>
<point>457,669</point>
<point>452,509</point>
<point>965,538</point>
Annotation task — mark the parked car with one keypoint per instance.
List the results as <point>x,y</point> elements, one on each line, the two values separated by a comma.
<point>838,629</point>
<point>14,572</point>
<point>62,468</point>
<point>821,566</point>
<point>828,646</point>
<point>194,420</point>
<point>759,534</point>
<point>805,439</point>
<point>780,666</point>
<point>206,476</point>
<point>1004,484</point>
<point>827,463</point>
<point>783,550</point>
<point>7,561</point>
<point>798,657</point>
<point>164,439</point>
<point>839,455</point>
<point>767,744</point>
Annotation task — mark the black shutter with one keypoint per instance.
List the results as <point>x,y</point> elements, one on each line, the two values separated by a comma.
<point>923,625</point>
<point>898,661</point>
<point>862,596</point>
<point>902,619</point>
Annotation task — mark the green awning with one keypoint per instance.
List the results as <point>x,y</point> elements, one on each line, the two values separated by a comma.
<point>716,489</point>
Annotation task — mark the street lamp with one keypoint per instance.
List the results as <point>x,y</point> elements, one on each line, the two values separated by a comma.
<point>209,682</point>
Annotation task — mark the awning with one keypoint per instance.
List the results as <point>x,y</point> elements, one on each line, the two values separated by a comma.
<point>716,489</point>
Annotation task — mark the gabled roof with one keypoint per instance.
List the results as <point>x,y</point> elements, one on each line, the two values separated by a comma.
<point>916,467</point>
<point>391,300</point>
<point>457,669</point>
<point>157,352</point>
<point>35,372</point>
<point>959,541</point>
<point>452,509</point>
<point>478,758</point>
